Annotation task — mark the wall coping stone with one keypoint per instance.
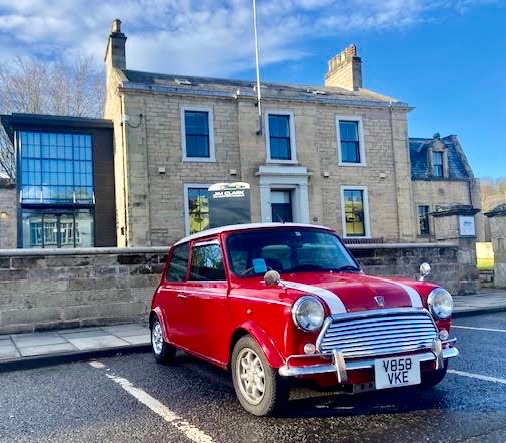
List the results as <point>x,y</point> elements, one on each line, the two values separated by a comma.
<point>43,252</point>
<point>165,249</point>
<point>401,245</point>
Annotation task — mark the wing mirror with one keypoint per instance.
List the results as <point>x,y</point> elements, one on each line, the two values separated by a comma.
<point>272,278</point>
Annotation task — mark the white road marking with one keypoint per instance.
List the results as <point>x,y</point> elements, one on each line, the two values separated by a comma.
<point>479,329</point>
<point>96,364</point>
<point>190,431</point>
<point>478,376</point>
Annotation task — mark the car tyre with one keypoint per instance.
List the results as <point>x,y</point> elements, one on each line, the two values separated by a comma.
<point>164,352</point>
<point>258,386</point>
<point>432,378</point>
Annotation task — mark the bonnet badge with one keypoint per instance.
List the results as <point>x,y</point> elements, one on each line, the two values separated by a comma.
<point>380,301</point>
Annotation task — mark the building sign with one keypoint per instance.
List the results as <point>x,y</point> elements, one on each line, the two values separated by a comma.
<point>229,204</point>
<point>466,226</point>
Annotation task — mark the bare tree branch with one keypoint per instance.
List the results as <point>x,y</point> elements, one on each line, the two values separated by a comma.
<point>36,87</point>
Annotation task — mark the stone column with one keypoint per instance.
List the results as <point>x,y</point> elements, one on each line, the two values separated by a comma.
<point>497,218</point>
<point>456,224</point>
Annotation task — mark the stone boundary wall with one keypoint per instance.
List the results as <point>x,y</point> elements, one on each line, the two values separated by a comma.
<point>48,289</point>
<point>56,288</point>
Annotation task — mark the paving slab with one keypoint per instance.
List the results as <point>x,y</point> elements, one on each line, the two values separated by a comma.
<point>8,350</point>
<point>138,339</point>
<point>40,339</point>
<point>46,350</point>
<point>82,335</point>
<point>104,341</point>
<point>126,330</point>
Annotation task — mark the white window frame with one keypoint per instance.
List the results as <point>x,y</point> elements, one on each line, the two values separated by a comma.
<point>210,124</point>
<point>361,139</point>
<point>365,194</point>
<point>293,144</point>
<point>186,206</point>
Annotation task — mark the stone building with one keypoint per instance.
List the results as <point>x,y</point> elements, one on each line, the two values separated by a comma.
<point>335,154</point>
<point>441,179</point>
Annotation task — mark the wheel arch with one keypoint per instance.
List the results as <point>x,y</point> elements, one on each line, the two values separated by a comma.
<point>157,312</point>
<point>273,356</point>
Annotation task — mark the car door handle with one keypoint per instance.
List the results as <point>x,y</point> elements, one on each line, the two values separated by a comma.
<point>181,296</point>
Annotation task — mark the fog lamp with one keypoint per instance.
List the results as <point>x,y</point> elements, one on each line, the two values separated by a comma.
<point>309,348</point>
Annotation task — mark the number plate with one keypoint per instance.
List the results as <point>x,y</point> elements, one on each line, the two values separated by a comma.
<point>396,371</point>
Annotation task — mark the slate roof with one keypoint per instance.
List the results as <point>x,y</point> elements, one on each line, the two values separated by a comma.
<point>458,167</point>
<point>192,85</point>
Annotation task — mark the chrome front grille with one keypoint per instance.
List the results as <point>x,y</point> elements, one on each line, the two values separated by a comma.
<point>383,332</point>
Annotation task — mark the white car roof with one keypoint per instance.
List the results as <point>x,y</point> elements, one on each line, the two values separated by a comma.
<point>246,226</point>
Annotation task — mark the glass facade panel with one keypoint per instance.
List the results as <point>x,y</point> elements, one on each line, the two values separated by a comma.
<point>197,133</point>
<point>198,205</point>
<point>279,137</point>
<point>354,212</point>
<point>57,229</point>
<point>49,165</point>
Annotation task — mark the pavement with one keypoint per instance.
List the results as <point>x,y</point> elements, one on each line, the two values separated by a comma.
<point>25,351</point>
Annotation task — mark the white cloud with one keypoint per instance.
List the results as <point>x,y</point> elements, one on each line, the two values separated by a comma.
<point>206,37</point>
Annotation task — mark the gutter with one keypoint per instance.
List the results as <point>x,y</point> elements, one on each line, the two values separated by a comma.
<point>141,87</point>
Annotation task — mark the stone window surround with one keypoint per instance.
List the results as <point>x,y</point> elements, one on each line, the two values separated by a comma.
<point>187,186</point>
<point>210,122</point>
<point>293,144</point>
<point>365,195</point>
<point>361,139</point>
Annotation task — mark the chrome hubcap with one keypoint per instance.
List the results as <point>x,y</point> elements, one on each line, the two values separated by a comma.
<point>250,376</point>
<point>156,337</point>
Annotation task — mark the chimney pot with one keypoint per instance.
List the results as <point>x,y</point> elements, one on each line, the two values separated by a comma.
<point>116,25</point>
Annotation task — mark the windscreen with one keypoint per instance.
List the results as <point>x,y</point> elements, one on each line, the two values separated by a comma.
<point>287,250</point>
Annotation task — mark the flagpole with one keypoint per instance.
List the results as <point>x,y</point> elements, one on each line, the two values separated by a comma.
<point>259,128</point>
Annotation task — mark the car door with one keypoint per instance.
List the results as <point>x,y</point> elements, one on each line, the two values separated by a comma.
<point>207,324</point>
<point>171,293</point>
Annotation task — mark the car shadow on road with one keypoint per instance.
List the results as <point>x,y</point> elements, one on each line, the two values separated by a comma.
<point>336,404</point>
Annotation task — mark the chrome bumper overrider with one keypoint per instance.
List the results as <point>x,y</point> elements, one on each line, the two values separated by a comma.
<point>340,366</point>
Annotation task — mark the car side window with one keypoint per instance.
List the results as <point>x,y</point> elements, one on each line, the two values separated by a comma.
<point>178,263</point>
<point>207,263</point>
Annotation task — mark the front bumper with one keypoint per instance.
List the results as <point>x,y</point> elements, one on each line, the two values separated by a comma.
<point>439,352</point>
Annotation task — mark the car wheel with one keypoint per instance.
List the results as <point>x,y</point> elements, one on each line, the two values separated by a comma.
<point>432,378</point>
<point>164,352</point>
<point>259,388</point>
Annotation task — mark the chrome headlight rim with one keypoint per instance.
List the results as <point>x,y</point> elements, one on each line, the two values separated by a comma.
<point>437,299</point>
<point>296,314</point>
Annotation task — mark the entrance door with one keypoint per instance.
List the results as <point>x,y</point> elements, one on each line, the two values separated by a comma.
<point>281,206</point>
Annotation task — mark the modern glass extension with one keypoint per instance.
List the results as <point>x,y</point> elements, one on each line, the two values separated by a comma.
<point>56,189</point>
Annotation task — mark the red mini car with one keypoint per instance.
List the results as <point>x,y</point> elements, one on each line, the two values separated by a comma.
<point>271,302</point>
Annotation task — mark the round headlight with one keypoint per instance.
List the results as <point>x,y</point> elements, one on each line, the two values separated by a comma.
<point>440,303</point>
<point>308,314</point>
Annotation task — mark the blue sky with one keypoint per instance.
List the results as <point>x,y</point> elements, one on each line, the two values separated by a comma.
<point>446,58</point>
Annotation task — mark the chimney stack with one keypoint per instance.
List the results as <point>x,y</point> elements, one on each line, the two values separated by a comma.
<point>345,70</point>
<point>115,52</point>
